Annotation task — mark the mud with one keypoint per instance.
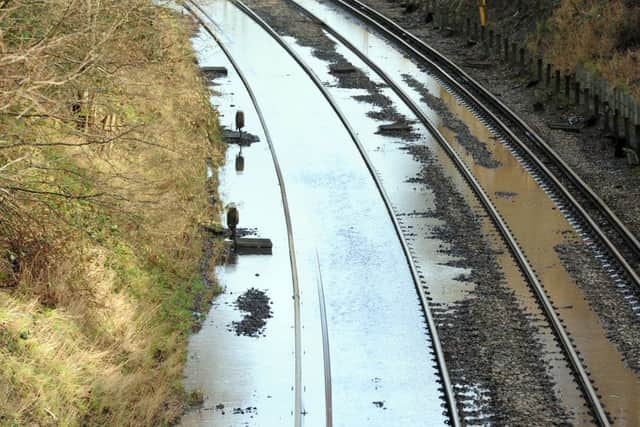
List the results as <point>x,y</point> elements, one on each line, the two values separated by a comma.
<point>256,304</point>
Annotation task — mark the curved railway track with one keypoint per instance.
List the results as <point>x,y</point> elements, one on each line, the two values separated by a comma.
<point>440,359</point>
<point>190,6</point>
<point>572,355</point>
<point>615,240</point>
<point>617,246</point>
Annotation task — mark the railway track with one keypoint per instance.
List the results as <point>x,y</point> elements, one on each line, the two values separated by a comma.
<point>439,353</point>
<point>573,357</point>
<point>583,209</point>
<point>300,410</point>
<point>204,19</point>
<point>611,241</point>
<point>570,352</point>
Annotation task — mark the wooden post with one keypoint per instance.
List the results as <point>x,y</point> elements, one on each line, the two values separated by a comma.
<point>548,75</point>
<point>627,131</point>
<point>577,88</point>
<point>596,104</point>
<point>567,86</point>
<point>514,53</point>
<point>491,39</point>
<point>522,58</point>
<point>557,87</point>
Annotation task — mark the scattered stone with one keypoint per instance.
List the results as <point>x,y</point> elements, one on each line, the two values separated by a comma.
<point>256,303</point>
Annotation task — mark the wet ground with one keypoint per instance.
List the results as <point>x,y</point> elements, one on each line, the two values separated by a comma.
<point>246,377</point>
<point>382,370</point>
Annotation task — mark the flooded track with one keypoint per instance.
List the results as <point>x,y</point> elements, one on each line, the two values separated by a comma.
<point>515,191</point>
<point>499,200</point>
<point>382,371</point>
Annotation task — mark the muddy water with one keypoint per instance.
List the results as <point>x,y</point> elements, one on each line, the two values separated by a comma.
<point>539,226</point>
<point>529,212</point>
<point>379,351</point>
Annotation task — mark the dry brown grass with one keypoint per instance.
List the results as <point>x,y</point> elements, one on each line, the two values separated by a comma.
<point>97,281</point>
<point>601,35</point>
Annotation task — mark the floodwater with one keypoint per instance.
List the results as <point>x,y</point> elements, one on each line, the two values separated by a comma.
<point>381,368</point>
<point>530,213</point>
<point>242,372</point>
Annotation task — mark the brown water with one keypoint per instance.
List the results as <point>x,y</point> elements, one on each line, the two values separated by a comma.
<point>539,226</point>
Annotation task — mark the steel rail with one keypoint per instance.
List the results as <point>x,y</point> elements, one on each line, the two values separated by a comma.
<point>285,203</point>
<point>522,261</point>
<point>422,51</point>
<point>325,348</point>
<point>437,346</point>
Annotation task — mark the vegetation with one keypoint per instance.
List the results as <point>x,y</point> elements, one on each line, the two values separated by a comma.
<point>603,35</point>
<point>600,35</point>
<point>105,126</point>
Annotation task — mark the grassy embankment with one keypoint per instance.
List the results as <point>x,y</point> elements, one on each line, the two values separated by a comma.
<point>101,197</point>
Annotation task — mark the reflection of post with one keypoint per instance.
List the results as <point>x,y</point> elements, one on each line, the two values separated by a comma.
<point>240,161</point>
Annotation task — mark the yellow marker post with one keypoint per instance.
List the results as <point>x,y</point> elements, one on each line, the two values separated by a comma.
<point>483,13</point>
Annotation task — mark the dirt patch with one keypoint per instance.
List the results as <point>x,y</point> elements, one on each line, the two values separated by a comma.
<point>256,304</point>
